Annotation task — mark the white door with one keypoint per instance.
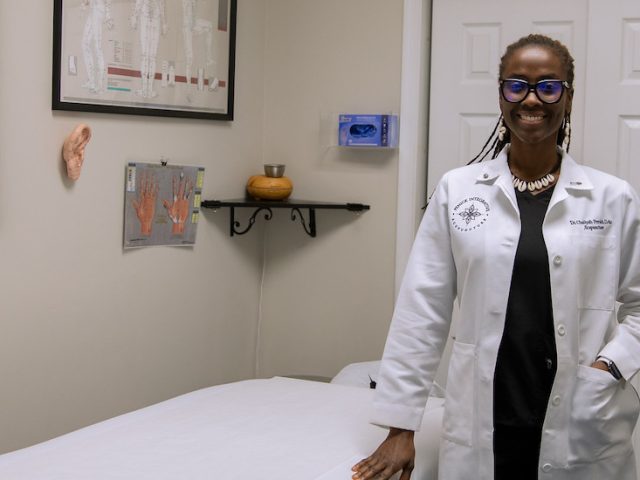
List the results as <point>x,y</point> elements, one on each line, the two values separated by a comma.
<point>468,38</point>
<point>612,113</point>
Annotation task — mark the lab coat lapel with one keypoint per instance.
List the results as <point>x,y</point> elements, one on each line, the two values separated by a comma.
<point>572,178</point>
<point>497,171</point>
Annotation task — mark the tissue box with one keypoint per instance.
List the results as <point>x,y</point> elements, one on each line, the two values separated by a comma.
<point>368,130</point>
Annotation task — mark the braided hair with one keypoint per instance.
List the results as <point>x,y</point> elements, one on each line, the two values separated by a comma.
<point>494,143</point>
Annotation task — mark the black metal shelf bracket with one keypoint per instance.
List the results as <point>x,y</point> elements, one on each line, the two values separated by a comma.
<point>311,229</point>
<point>296,207</point>
<point>234,224</point>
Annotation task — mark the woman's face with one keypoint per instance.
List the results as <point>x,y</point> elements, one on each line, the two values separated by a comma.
<point>532,121</point>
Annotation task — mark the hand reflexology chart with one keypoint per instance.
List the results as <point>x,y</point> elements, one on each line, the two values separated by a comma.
<point>162,204</point>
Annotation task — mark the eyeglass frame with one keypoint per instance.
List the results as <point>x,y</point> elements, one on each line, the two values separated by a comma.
<point>532,87</point>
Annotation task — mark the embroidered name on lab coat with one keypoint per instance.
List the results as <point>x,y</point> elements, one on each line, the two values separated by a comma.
<point>592,223</point>
<point>470,213</point>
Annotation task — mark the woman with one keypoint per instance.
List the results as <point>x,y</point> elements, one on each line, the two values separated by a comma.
<point>537,249</point>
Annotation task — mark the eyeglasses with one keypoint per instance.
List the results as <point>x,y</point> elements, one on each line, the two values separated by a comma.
<point>515,90</point>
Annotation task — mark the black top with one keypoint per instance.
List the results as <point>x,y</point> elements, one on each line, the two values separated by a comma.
<point>526,363</point>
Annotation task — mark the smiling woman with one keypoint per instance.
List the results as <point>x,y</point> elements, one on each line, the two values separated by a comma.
<point>533,118</point>
<point>534,387</point>
<point>535,90</point>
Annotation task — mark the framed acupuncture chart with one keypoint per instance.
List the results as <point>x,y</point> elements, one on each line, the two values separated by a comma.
<point>171,58</point>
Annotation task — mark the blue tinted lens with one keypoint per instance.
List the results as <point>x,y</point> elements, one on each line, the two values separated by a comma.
<point>549,91</point>
<point>514,90</point>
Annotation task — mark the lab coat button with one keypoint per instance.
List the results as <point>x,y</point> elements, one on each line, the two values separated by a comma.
<point>546,467</point>
<point>557,260</point>
<point>486,175</point>
<point>549,363</point>
<point>556,400</point>
<point>561,330</point>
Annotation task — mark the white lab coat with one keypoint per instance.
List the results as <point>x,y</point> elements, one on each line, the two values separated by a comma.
<point>465,248</point>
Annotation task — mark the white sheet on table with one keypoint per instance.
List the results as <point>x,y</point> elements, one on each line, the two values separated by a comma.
<point>278,428</point>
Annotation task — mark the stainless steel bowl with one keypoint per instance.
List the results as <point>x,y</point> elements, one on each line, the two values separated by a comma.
<point>274,170</point>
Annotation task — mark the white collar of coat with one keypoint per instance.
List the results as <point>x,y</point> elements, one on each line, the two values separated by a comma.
<point>572,176</point>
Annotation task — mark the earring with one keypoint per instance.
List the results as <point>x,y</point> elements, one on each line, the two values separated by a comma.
<point>566,141</point>
<point>502,130</point>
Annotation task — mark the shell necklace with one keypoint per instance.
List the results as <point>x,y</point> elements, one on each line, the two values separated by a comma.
<point>535,185</point>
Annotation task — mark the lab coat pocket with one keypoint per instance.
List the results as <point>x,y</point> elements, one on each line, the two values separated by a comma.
<point>597,269</point>
<point>459,402</point>
<point>603,414</point>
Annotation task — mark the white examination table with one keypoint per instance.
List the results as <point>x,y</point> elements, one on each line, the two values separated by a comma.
<point>279,429</point>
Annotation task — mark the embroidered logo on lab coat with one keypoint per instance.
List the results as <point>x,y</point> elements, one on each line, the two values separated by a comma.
<point>470,213</point>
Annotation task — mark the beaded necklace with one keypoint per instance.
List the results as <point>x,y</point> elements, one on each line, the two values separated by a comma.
<point>535,185</point>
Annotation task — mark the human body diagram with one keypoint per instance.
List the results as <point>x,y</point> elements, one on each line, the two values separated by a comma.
<point>149,18</point>
<point>146,40</point>
<point>196,27</point>
<point>99,14</point>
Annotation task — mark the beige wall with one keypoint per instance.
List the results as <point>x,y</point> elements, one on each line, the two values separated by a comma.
<point>88,331</point>
<point>327,301</point>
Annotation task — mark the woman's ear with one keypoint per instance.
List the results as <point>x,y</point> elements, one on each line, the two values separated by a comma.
<point>569,102</point>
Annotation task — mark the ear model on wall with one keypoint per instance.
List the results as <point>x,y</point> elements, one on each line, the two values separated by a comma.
<point>73,149</point>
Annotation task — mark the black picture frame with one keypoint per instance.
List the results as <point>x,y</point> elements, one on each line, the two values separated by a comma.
<point>200,85</point>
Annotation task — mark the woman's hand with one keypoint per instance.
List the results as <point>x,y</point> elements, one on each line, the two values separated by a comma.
<point>600,365</point>
<point>396,453</point>
<point>611,368</point>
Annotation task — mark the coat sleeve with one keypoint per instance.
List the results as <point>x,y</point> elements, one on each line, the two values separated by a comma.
<point>420,323</point>
<point>624,346</point>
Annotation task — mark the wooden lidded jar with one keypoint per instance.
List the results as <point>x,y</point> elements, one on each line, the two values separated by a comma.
<point>273,185</point>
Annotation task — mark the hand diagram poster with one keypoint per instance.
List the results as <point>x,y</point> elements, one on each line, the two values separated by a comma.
<point>162,204</point>
<point>149,57</point>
